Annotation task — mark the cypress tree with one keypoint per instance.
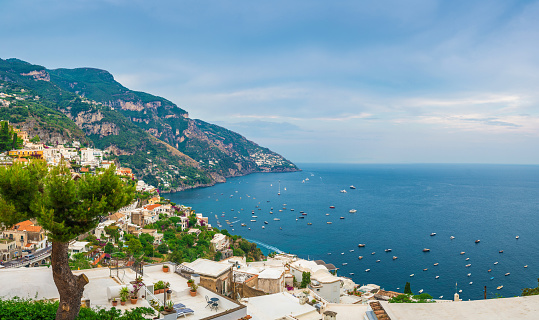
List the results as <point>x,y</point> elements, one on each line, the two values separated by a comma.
<point>407,288</point>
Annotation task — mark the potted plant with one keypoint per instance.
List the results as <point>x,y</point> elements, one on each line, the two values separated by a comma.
<point>114,302</point>
<point>134,292</point>
<point>158,286</point>
<point>165,268</point>
<point>190,282</point>
<point>124,294</point>
<point>193,290</point>
<point>169,306</point>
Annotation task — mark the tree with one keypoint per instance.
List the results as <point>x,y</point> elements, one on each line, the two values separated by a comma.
<point>66,208</point>
<point>407,288</point>
<point>305,279</point>
<point>35,139</point>
<point>162,248</point>
<point>134,246</point>
<point>109,248</point>
<point>217,256</point>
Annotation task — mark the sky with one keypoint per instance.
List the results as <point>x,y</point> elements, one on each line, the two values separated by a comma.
<point>417,81</point>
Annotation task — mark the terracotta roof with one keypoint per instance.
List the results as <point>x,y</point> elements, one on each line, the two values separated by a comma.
<point>117,216</point>
<point>29,245</point>
<point>152,206</point>
<point>23,224</point>
<point>33,229</point>
<point>83,169</point>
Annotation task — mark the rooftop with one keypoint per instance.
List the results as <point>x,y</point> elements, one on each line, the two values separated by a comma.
<point>278,305</point>
<point>506,308</point>
<point>207,267</point>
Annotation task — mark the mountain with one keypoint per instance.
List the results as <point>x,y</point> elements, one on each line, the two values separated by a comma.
<point>149,134</point>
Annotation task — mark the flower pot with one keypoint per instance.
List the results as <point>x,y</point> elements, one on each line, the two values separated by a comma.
<point>114,303</point>
<point>165,268</point>
<point>122,303</point>
<point>134,300</point>
<point>156,291</point>
<point>193,293</point>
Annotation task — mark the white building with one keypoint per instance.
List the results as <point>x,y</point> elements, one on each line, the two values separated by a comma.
<point>90,157</point>
<point>78,247</point>
<point>219,242</point>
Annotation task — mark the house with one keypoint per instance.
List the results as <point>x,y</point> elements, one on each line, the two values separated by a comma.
<point>220,242</point>
<point>26,232</point>
<point>214,276</point>
<point>37,154</point>
<point>194,231</point>
<point>90,157</point>
<point>118,217</point>
<point>126,172</point>
<point>323,283</point>
<point>271,280</point>
<point>158,237</point>
<point>8,249</point>
<point>78,247</point>
<point>154,200</point>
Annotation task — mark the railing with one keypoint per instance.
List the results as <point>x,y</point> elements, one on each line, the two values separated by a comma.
<point>37,258</point>
<point>150,296</point>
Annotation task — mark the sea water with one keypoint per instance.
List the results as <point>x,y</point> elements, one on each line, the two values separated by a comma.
<point>398,207</point>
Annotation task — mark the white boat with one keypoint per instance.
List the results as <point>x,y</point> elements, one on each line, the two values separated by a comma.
<point>467,259</point>
<point>329,222</point>
<point>360,257</point>
<point>471,282</point>
<point>342,252</point>
<point>353,211</point>
<point>254,217</point>
<point>460,291</point>
<point>253,220</point>
<point>345,263</point>
<point>367,270</point>
<point>517,237</point>
<point>327,214</point>
<point>352,250</point>
<point>440,297</point>
<point>525,266</point>
<point>395,257</point>
<point>343,191</point>
<point>468,265</point>
<point>433,234</point>
<point>499,288</point>
<point>421,291</point>
<point>352,187</point>
<point>436,264</point>
<point>436,277</point>
<point>451,237</point>
<point>276,219</point>
<point>469,274</point>
<point>263,227</point>
<point>507,274</point>
<point>496,262</point>
<point>265,222</point>
<point>351,273</point>
<point>377,260</point>
<point>412,275</point>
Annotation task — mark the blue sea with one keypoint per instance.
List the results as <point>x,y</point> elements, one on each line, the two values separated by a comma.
<point>398,207</point>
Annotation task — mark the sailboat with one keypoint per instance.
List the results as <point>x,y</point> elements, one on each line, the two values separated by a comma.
<point>279,193</point>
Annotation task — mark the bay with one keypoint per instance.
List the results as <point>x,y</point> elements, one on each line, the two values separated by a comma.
<point>398,207</point>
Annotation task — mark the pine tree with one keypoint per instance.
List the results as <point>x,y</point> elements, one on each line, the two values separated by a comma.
<point>407,288</point>
<point>65,208</point>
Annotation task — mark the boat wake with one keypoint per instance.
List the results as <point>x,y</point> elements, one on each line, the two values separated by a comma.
<point>265,245</point>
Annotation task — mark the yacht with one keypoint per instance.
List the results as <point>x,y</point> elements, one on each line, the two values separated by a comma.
<point>343,191</point>
<point>451,237</point>
<point>352,250</point>
<point>373,253</point>
<point>395,257</point>
<point>387,250</point>
<point>477,241</point>
<point>436,264</point>
<point>433,234</point>
<point>342,218</point>
<point>467,259</point>
<point>361,245</point>
<point>263,227</point>
<point>501,251</point>
<point>471,282</point>
<point>462,252</point>
<point>468,265</point>
<point>507,274</point>
<point>496,262</point>
<point>425,269</point>
<point>517,237</point>
<point>377,260</point>
<point>265,222</point>
<point>309,224</point>
<point>360,257</point>
<point>352,187</point>
<point>303,214</point>
<point>500,287</point>
<point>412,275</point>
<point>421,291</point>
<point>525,266</point>
<point>426,250</point>
<point>367,270</point>
<point>469,274</point>
<point>329,222</point>
<point>353,211</point>
<point>489,270</point>
<point>276,219</point>
<point>332,207</point>
<point>345,263</point>
<point>436,277</point>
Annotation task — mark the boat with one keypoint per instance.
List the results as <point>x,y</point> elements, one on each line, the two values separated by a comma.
<point>280,210</point>
<point>367,270</point>
<point>377,260</point>
<point>373,253</point>
<point>329,222</point>
<point>343,191</point>
<point>332,207</point>
<point>309,224</point>
<point>489,270</point>
<point>436,277</point>
<point>395,257</point>
<point>360,257</point>
<point>440,297</point>
<point>501,251</point>
<point>265,222</point>
<point>491,278</point>
<point>467,259</point>
<point>243,224</point>
<point>496,262</point>
<point>345,263</point>
<point>426,250</point>
<point>471,282</point>
<point>507,274</point>
<point>352,250</point>
<point>342,218</point>
<point>342,252</point>
<point>525,266</point>
<point>387,250</point>
<point>279,193</point>
<point>301,217</point>
<point>253,220</point>
<point>254,217</point>
<point>263,227</point>
<point>433,234</point>
<point>469,274</point>
<point>517,237</point>
<point>352,187</point>
<point>276,219</point>
<point>477,241</point>
<point>327,214</point>
<point>291,209</point>
<point>351,273</point>
<point>361,245</point>
<point>329,252</point>
<point>353,211</point>
<point>468,265</point>
<point>303,214</point>
<point>499,288</point>
<point>421,291</point>
<point>425,269</point>
<point>412,275</point>
<point>462,252</point>
<point>436,264</point>
<point>460,291</point>
<point>451,237</point>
